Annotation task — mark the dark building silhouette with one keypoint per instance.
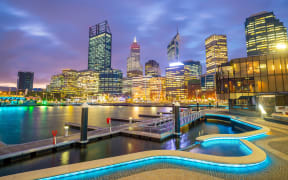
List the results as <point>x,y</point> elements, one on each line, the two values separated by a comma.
<point>25,80</point>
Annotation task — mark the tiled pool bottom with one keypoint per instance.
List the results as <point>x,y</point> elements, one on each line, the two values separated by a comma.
<point>161,162</point>
<point>222,148</point>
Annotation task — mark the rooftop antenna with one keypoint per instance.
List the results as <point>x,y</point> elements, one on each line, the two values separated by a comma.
<point>135,39</point>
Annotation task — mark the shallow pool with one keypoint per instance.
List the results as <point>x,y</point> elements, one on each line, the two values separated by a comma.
<point>222,148</point>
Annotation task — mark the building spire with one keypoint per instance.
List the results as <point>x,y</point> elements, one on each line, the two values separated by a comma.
<point>135,39</point>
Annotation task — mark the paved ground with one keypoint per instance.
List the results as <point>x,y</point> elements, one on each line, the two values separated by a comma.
<point>275,145</point>
<point>169,174</point>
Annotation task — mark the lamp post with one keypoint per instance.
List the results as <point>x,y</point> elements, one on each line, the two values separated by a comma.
<point>66,130</point>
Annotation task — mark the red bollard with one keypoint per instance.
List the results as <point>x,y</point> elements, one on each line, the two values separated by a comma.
<point>54,133</point>
<point>108,120</point>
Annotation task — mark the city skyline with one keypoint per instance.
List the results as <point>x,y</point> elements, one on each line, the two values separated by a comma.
<point>34,40</point>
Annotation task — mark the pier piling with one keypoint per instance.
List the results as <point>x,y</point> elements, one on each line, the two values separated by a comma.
<point>84,124</point>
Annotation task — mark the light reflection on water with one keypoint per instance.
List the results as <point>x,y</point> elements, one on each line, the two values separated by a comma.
<point>114,146</point>
<point>29,123</point>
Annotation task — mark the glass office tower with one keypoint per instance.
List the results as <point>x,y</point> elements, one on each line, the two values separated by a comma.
<point>134,68</point>
<point>152,68</point>
<point>194,69</point>
<point>216,52</point>
<point>264,33</point>
<point>110,81</point>
<point>100,41</point>
<point>173,49</point>
<point>25,80</point>
<point>176,83</point>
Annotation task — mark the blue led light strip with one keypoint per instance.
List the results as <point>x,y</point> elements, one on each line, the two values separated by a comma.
<point>155,158</point>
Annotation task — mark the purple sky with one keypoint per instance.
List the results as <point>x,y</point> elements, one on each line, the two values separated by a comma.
<point>47,36</point>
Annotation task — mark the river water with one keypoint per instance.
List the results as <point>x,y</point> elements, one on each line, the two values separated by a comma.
<point>24,124</point>
<point>29,123</point>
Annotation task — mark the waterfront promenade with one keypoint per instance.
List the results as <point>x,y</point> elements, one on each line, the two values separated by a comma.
<point>10,153</point>
<point>273,146</point>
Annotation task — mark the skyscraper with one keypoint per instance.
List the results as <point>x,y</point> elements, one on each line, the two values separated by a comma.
<point>173,49</point>
<point>194,68</point>
<point>25,80</point>
<point>264,33</point>
<point>100,41</point>
<point>134,67</point>
<point>152,68</point>
<point>216,52</point>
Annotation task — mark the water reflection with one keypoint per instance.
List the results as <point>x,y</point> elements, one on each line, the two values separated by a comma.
<point>29,123</point>
<point>116,146</point>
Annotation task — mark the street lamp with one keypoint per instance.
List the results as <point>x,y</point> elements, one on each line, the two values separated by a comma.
<point>281,46</point>
<point>66,130</point>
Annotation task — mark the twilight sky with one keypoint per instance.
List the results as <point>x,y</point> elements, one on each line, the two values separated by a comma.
<point>45,36</point>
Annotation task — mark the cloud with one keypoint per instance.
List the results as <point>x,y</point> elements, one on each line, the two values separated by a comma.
<point>13,11</point>
<point>149,17</point>
<point>39,30</point>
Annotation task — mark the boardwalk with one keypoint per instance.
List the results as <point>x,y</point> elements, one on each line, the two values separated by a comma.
<point>143,128</point>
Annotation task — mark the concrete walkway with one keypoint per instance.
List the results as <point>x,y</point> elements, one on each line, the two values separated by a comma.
<point>170,174</point>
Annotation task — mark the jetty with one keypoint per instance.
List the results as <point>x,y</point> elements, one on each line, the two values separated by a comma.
<point>155,129</point>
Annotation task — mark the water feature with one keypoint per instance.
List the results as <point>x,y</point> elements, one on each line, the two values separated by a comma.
<point>222,148</point>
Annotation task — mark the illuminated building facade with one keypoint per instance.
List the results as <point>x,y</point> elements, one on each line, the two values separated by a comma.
<point>173,49</point>
<point>264,33</point>
<point>72,83</point>
<point>152,68</point>
<point>253,80</point>
<point>127,87</point>
<point>194,88</point>
<point>100,41</point>
<point>216,52</point>
<point>88,82</point>
<point>157,86</point>
<point>110,81</point>
<point>208,82</point>
<point>134,68</point>
<point>25,80</point>
<point>194,69</point>
<point>176,82</point>
<point>65,84</point>
<point>141,89</point>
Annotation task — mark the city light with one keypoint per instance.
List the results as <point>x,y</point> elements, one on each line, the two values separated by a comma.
<point>176,64</point>
<point>262,109</point>
<point>281,46</point>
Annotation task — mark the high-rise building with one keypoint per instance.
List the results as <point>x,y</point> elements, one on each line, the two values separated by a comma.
<point>264,34</point>
<point>100,41</point>
<point>127,87</point>
<point>173,49</point>
<point>216,52</point>
<point>176,82</point>
<point>88,82</point>
<point>25,80</point>
<point>110,81</point>
<point>157,86</point>
<point>208,82</point>
<point>134,68</point>
<point>141,89</point>
<point>65,84</point>
<point>152,68</point>
<point>194,69</point>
